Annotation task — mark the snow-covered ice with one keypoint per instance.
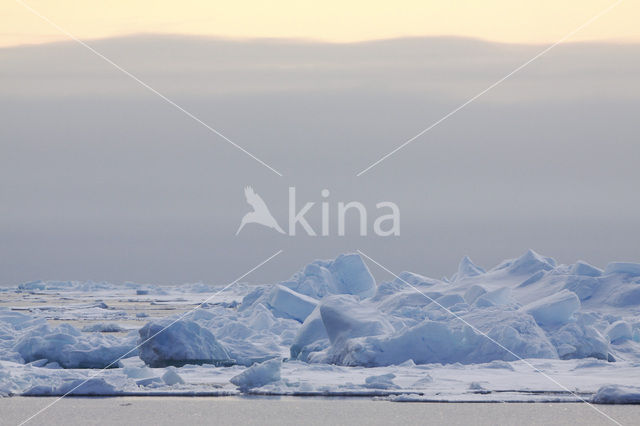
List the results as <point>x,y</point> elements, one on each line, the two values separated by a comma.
<point>332,330</point>
<point>183,341</point>
<point>258,375</point>
<point>615,394</point>
<point>171,377</point>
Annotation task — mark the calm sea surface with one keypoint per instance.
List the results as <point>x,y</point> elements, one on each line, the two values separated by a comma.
<point>295,411</point>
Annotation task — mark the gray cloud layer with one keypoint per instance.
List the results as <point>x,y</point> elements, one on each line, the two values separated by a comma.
<point>100,179</point>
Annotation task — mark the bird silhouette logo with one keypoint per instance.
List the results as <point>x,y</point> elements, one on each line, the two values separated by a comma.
<point>260,213</point>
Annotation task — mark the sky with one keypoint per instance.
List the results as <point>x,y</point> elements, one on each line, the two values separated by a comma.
<point>507,21</point>
<point>101,179</point>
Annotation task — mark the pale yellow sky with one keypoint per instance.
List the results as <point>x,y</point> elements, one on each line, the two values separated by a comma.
<point>512,21</point>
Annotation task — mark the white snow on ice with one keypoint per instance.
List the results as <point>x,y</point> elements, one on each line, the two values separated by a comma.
<point>331,330</point>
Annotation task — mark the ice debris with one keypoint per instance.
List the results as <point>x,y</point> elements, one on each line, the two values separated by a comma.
<point>104,327</point>
<point>556,308</point>
<point>382,381</point>
<point>258,375</point>
<point>171,377</point>
<point>347,274</point>
<point>619,332</point>
<point>615,394</point>
<point>295,305</point>
<point>623,268</point>
<point>178,342</point>
<point>96,386</point>
<point>70,348</point>
<point>333,312</point>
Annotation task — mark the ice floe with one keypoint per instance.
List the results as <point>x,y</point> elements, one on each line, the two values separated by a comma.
<point>331,330</point>
<point>179,342</point>
<point>258,375</point>
<point>615,394</point>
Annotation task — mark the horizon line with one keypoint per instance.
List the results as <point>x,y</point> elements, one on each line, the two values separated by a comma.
<point>312,41</point>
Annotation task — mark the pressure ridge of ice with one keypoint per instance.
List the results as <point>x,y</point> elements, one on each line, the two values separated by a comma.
<point>332,313</point>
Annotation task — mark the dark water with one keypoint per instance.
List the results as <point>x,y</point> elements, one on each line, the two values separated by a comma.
<point>294,411</point>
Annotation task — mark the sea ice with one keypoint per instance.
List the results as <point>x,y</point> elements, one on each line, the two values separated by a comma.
<point>171,377</point>
<point>501,296</point>
<point>467,268</point>
<point>623,268</point>
<point>344,318</point>
<point>104,327</point>
<point>258,375</point>
<point>332,316</point>
<point>383,381</point>
<point>312,331</point>
<point>615,394</point>
<point>530,263</point>
<point>347,274</point>
<point>583,268</point>
<point>579,340</point>
<point>619,331</point>
<point>167,342</point>
<point>92,386</point>
<point>295,305</point>
<point>554,309</point>
<point>473,292</point>
<point>70,348</point>
<point>451,341</point>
